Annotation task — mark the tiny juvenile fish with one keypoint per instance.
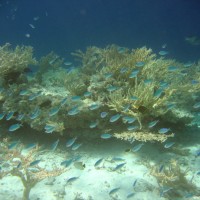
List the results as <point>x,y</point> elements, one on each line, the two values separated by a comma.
<point>94,106</point>
<point>87,94</point>
<point>73,111</point>
<point>140,64</point>
<point>71,180</point>
<point>163,53</point>
<point>54,145</point>
<point>2,116</point>
<point>30,146</point>
<point>153,123</point>
<point>112,88</point>
<point>134,74</point>
<point>76,146</point>
<point>76,98</point>
<point>70,142</point>
<point>94,124</point>
<point>98,162</point>
<point>63,102</point>
<point>169,144</point>
<point>34,163</point>
<point>130,195</point>
<point>14,127</point>
<point>128,119</point>
<point>113,191</point>
<point>67,163</point>
<point>103,114</point>
<point>134,183</point>
<point>163,130</point>
<point>119,166</point>
<point>23,92</point>
<point>54,111</point>
<point>106,136</point>
<point>9,115</point>
<point>13,145</point>
<point>137,147</point>
<point>130,128</point>
<point>114,118</point>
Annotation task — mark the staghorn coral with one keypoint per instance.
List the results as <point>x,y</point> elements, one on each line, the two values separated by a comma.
<point>13,62</point>
<point>172,176</point>
<point>112,89</point>
<point>18,164</point>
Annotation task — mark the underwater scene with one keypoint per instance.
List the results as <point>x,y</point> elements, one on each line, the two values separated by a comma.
<point>99,100</point>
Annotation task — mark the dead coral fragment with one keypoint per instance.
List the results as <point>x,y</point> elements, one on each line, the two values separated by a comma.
<point>142,136</point>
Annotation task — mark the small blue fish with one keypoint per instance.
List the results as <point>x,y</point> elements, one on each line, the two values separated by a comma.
<point>140,64</point>
<point>129,119</point>
<point>2,116</point>
<point>114,118</point>
<point>98,162</point>
<point>71,180</point>
<point>67,163</point>
<point>14,127</point>
<point>119,166</point>
<point>76,98</point>
<point>76,146</point>
<point>188,64</point>
<point>23,92</point>
<point>163,130</point>
<point>103,114</point>
<point>73,111</point>
<point>108,75</point>
<point>117,159</point>
<point>172,68</point>
<point>134,183</point>
<point>170,105</point>
<point>148,81</point>
<point>130,128</point>
<point>134,73</point>
<point>70,142</point>
<point>20,116</point>
<point>111,88</point>
<point>54,111</point>
<point>153,123</point>
<point>35,114</point>
<point>34,163</point>
<point>34,96</point>
<point>49,128</point>
<point>9,115</point>
<point>94,124</point>
<point>126,107</point>
<point>130,195</point>
<point>194,82</point>
<point>196,105</point>
<point>169,144</point>
<point>113,191</point>
<point>134,98</point>
<point>158,92</point>
<point>123,70</point>
<point>163,53</point>
<point>54,145</point>
<point>137,147</point>
<point>87,94</point>
<point>161,168</point>
<point>94,106</point>
<point>13,145</point>
<point>63,102</point>
<point>106,136</point>
<point>30,146</point>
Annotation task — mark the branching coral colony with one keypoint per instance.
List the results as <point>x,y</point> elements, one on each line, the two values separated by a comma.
<point>135,85</point>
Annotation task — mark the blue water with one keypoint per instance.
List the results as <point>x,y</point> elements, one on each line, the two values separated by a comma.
<point>67,25</point>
